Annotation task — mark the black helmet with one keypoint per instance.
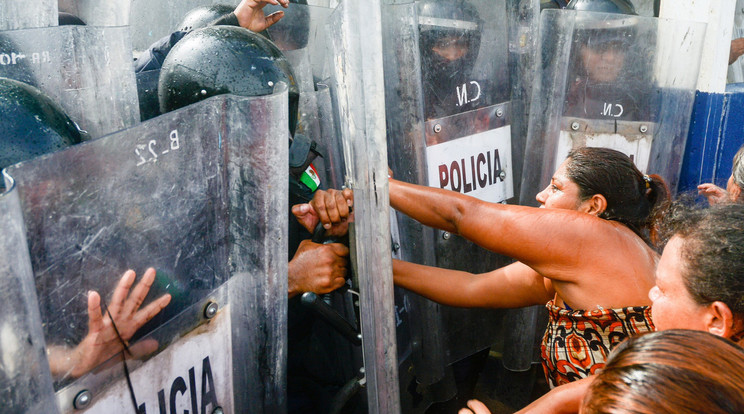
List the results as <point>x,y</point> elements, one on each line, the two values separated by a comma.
<point>203,15</point>
<point>31,124</point>
<point>67,19</point>
<point>453,19</point>
<point>224,59</point>
<point>445,25</point>
<point>603,6</point>
<point>293,31</point>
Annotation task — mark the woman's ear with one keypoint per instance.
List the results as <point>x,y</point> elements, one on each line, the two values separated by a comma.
<point>735,192</point>
<point>720,320</point>
<point>595,206</point>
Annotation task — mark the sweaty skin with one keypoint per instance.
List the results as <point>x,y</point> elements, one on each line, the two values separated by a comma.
<point>589,262</point>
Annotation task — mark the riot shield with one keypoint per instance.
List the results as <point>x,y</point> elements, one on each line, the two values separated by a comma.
<point>25,380</point>
<point>23,14</point>
<point>355,54</point>
<point>98,13</point>
<point>301,36</point>
<point>152,20</point>
<point>185,193</point>
<point>87,70</point>
<point>447,83</point>
<point>623,82</point>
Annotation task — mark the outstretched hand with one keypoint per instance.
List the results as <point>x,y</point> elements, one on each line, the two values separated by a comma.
<point>713,193</point>
<point>333,208</point>
<point>102,341</point>
<point>251,16</point>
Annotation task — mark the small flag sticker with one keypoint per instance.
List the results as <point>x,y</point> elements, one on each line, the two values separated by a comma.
<point>310,178</point>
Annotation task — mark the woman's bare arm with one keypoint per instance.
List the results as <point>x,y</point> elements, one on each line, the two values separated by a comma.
<point>565,399</point>
<point>554,242</point>
<point>512,286</point>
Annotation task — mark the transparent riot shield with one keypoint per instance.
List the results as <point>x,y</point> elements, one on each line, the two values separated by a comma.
<point>199,194</point>
<point>448,89</point>
<point>24,14</point>
<point>98,13</point>
<point>25,380</point>
<point>622,82</point>
<point>87,70</point>
<point>355,53</point>
<point>152,20</point>
<point>301,36</point>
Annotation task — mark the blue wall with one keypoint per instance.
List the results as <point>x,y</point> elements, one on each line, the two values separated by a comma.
<point>716,133</point>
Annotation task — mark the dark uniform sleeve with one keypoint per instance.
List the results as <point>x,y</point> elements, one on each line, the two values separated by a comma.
<point>302,152</point>
<point>154,56</point>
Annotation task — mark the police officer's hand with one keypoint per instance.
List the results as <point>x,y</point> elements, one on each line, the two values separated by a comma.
<point>475,407</point>
<point>333,208</point>
<point>251,16</point>
<point>713,193</point>
<point>102,342</point>
<point>317,268</point>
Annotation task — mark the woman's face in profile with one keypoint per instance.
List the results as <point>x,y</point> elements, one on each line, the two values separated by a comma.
<point>603,63</point>
<point>561,192</point>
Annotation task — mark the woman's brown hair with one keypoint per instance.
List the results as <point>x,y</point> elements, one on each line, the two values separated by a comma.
<point>673,371</point>
<point>633,198</point>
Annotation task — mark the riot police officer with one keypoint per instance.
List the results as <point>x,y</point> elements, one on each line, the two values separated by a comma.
<point>251,65</point>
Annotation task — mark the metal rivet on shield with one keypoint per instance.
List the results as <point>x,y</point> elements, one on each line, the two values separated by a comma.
<point>82,400</point>
<point>218,410</point>
<point>211,309</point>
<point>396,246</point>
<point>499,112</point>
<point>437,128</point>
<point>643,129</point>
<point>575,126</point>
<point>446,235</point>
<point>502,175</point>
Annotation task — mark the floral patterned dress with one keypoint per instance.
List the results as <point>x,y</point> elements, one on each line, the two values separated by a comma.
<point>577,342</point>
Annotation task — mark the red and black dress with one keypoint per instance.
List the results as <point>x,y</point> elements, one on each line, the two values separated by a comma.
<point>577,342</point>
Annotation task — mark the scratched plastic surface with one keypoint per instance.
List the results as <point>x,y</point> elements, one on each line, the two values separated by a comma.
<point>87,70</point>
<point>355,57</point>
<point>200,195</point>
<point>25,381</point>
<point>617,81</point>
<point>302,29</point>
<point>26,14</point>
<point>461,100</point>
<point>152,20</point>
<point>98,13</point>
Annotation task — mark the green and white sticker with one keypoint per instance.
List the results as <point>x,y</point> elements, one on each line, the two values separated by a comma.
<point>310,178</point>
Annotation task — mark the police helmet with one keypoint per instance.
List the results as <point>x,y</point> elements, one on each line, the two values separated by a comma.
<point>224,59</point>
<point>603,6</point>
<point>203,15</point>
<point>447,21</point>
<point>67,19</point>
<point>31,124</point>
